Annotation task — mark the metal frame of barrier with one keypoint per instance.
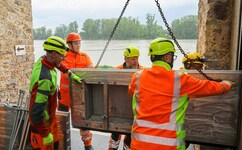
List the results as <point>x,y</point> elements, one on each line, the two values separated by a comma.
<point>102,103</point>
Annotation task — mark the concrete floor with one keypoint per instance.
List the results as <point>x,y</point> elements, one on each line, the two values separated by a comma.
<point>100,141</point>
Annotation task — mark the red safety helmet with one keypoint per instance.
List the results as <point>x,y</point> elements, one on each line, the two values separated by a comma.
<point>73,37</point>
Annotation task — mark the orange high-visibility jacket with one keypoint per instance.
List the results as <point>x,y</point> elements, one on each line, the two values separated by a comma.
<point>160,99</point>
<point>124,65</point>
<point>72,60</point>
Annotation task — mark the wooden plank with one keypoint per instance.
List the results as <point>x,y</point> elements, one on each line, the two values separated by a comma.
<point>213,120</point>
<point>7,114</point>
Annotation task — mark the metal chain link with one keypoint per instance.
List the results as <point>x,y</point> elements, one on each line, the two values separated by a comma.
<point>112,33</point>
<point>178,45</point>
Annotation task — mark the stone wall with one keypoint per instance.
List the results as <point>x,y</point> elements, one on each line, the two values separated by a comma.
<point>15,29</point>
<point>218,37</point>
<point>214,38</point>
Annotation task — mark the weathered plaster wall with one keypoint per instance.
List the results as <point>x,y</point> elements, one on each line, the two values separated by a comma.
<point>218,37</point>
<point>214,39</point>
<point>15,29</point>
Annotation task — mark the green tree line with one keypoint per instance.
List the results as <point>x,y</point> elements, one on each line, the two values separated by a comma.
<point>128,28</point>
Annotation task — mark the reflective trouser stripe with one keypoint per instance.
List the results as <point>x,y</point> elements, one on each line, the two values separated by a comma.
<point>86,137</point>
<point>164,126</point>
<point>113,144</point>
<point>157,140</point>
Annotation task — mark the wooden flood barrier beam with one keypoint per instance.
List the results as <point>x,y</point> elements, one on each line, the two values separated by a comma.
<point>7,115</point>
<point>102,103</point>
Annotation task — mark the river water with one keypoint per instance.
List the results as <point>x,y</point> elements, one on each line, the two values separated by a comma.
<point>114,53</point>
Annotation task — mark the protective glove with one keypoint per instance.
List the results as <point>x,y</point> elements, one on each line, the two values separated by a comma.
<point>77,78</point>
<point>48,139</point>
<point>227,82</point>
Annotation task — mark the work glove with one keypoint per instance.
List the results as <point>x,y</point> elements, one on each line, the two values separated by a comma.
<point>227,82</point>
<point>76,78</point>
<point>48,140</point>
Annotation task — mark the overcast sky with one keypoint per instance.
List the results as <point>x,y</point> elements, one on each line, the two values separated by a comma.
<point>52,13</point>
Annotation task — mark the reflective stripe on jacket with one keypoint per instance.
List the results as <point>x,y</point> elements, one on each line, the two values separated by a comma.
<point>72,60</point>
<point>160,99</point>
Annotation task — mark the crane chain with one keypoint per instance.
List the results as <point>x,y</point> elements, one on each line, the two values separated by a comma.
<point>112,33</point>
<point>178,45</point>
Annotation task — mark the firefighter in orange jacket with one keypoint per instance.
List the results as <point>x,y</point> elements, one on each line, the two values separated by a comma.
<point>43,95</point>
<point>131,61</point>
<point>160,99</point>
<point>197,60</point>
<point>74,59</point>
